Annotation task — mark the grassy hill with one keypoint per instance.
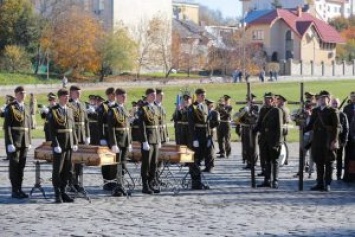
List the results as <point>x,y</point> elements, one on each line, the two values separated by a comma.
<point>21,79</point>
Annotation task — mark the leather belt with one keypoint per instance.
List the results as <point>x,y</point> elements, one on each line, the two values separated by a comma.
<point>225,121</point>
<point>92,121</point>
<point>199,125</point>
<point>65,130</point>
<point>183,123</point>
<point>80,123</point>
<point>19,129</point>
<point>121,129</point>
<point>152,126</point>
<point>135,127</point>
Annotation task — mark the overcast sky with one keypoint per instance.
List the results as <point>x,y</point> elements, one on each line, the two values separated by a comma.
<point>229,8</point>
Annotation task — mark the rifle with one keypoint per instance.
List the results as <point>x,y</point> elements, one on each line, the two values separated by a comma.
<point>343,102</point>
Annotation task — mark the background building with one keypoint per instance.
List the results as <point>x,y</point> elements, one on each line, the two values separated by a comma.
<point>186,10</point>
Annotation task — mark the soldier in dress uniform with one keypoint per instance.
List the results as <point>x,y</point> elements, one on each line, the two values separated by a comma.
<point>183,123</point>
<point>93,118</point>
<point>343,136</point>
<point>272,133</point>
<point>349,110</point>
<point>262,140</point>
<point>245,126</point>
<point>9,99</point>
<point>197,118</point>
<point>325,124</point>
<point>82,131</point>
<point>224,130</point>
<point>119,137</point>
<point>64,142</point>
<point>108,171</point>
<point>213,119</point>
<point>52,99</point>
<point>151,142</point>
<point>17,126</point>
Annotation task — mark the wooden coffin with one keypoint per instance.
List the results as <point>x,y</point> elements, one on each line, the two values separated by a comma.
<point>168,152</point>
<point>87,155</point>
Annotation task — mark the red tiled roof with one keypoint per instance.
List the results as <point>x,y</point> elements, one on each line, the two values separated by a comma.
<point>300,24</point>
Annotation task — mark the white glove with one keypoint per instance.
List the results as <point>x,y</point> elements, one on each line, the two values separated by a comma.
<point>246,109</point>
<point>11,148</point>
<point>45,110</point>
<point>115,149</point>
<point>57,149</point>
<point>91,110</point>
<point>87,141</point>
<point>130,149</point>
<point>167,139</point>
<point>159,145</point>
<point>195,143</point>
<point>29,146</point>
<point>75,148</point>
<point>146,146</point>
<point>209,143</point>
<point>103,142</point>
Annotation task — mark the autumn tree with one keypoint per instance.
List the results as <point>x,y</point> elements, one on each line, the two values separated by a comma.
<point>347,51</point>
<point>15,59</point>
<point>117,52</point>
<point>72,40</point>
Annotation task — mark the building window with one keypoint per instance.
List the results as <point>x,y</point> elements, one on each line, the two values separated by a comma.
<point>258,35</point>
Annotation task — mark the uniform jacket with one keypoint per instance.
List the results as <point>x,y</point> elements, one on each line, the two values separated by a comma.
<point>118,126</point>
<point>164,134</point>
<point>272,127</point>
<point>349,110</point>
<point>197,119</point>
<point>149,124</point>
<point>15,120</point>
<point>81,121</point>
<point>59,120</point>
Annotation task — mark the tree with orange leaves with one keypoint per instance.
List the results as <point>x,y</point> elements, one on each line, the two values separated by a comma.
<point>71,41</point>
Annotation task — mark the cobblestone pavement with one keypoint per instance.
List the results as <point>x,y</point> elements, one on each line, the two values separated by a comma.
<point>230,208</point>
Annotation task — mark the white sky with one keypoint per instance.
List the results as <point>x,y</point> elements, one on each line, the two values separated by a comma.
<point>229,8</point>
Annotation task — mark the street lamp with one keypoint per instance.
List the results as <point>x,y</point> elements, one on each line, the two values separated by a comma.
<point>243,25</point>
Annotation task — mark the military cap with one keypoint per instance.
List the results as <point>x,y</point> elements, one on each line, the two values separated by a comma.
<point>92,97</point>
<point>186,96</point>
<point>281,97</point>
<point>51,96</point>
<point>352,94</point>
<point>159,91</point>
<point>200,91</point>
<point>134,103</point>
<point>120,91</point>
<point>110,91</point>
<point>209,101</point>
<point>62,92</point>
<point>19,89</point>
<point>268,94</point>
<point>308,94</point>
<point>251,95</point>
<point>74,88</point>
<point>149,91</point>
<point>324,94</point>
<point>226,97</point>
<point>99,98</point>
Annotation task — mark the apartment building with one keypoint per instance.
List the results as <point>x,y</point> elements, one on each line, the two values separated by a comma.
<point>186,10</point>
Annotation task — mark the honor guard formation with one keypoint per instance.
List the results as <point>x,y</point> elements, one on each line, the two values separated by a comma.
<point>327,134</point>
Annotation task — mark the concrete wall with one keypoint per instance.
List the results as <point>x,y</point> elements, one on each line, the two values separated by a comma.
<point>303,68</point>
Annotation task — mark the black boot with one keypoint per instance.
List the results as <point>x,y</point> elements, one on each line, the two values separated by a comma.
<point>264,184</point>
<point>58,196</point>
<point>119,191</point>
<point>318,187</point>
<point>146,188</point>
<point>152,186</point>
<point>66,197</point>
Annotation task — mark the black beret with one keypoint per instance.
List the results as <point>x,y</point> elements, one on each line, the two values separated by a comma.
<point>160,91</point>
<point>149,91</point>
<point>92,97</point>
<point>19,89</point>
<point>308,94</point>
<point>110,91</point>
<point>324,94</point>
<point>186,96</point>
<point>200,91</point>
<point>63,92</point>
<point>134,103</point>
<point>268,94</point>
<point>74,88</point>
<point>352,94</point>
<point>120,91</point>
